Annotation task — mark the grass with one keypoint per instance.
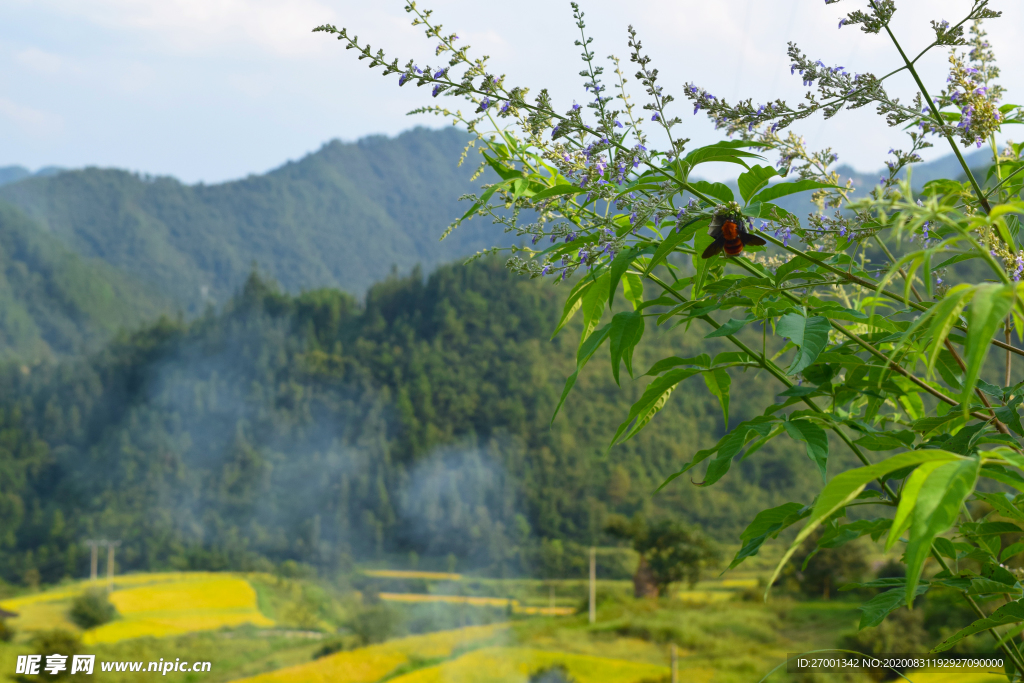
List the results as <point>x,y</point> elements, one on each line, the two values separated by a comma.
<point>515,664</point>
<point>374,662</point>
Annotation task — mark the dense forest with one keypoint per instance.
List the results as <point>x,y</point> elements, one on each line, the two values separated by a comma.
<point>318,429</point>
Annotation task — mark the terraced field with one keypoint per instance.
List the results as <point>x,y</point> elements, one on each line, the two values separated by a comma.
<point>157,605</point>
<point>375,662</point>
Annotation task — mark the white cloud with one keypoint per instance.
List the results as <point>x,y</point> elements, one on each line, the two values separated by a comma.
<point>35,122</point>
<point>38,60</point>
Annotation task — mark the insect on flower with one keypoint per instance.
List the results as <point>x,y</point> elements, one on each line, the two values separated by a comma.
<point>730,235</point>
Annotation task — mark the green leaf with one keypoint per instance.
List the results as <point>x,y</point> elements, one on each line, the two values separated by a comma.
<point>989,307</point>
<point>846,486</point>
<point>716,190</point>
<point>1011,550</point>
<point>727,448</point>
<point>783,189</point>
<point>754,179</point>
<point>718,382</point>
<point>593,305</point>
<point>626,331</point>
<point>875,610</point>
<point>908,499</point>
<point>938,506</point>
<point>652,401</point>
<point>680,235</point>
<point>886,441</point>
<point>815,439</point>
<point>944,316</point>
<point>810,335</point>
<point>633,289</point>
<point>767,523</point>
<point>731,327</point>
<point>703,360</point>
<point>1010,613</point>
<point>556,191</point>
<point>573,303</point>
<point>583,355</point>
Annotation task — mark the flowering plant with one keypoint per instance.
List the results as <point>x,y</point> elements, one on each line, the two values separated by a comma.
<point>889,359</point>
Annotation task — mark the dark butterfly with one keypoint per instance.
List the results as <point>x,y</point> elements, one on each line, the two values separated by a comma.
<point>730,235</point>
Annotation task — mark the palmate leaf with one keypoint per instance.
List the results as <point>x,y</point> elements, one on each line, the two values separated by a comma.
<point>846,486</point>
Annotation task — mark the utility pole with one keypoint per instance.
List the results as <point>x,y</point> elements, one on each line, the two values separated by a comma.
<point>675,664</point>
<point>110,564</point>
<point>593,584</point>
<point>94,559</point>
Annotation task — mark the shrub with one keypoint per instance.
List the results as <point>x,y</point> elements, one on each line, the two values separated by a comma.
<point>92,609</point>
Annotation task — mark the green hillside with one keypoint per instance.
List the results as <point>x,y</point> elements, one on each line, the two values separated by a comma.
<point>341,217</point>
<point>54,302</point>
<point>312,428</point>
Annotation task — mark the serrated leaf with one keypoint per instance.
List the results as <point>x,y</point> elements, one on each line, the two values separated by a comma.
<point>815,439</point>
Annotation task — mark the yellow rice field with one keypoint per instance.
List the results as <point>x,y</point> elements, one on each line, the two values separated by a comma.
<point>158,605</point>
<point>515,664</point>
<point>476,601</point>
<point>374,662</point>
<point>409,574</point>
<point>176,607</point>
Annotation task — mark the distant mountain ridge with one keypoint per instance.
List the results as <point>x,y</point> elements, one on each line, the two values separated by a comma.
<point>340,217</point>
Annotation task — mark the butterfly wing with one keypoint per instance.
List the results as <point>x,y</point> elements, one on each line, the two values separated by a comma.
<point>714,248</point>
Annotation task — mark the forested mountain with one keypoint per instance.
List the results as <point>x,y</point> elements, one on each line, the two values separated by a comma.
<point>340,217</point>
<point>54,302</point>
<point>315,428</point>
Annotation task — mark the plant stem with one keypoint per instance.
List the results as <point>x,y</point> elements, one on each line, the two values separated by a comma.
<point>938,117</point>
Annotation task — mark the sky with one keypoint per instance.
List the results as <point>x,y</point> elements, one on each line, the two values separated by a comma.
<point>213,90</point>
